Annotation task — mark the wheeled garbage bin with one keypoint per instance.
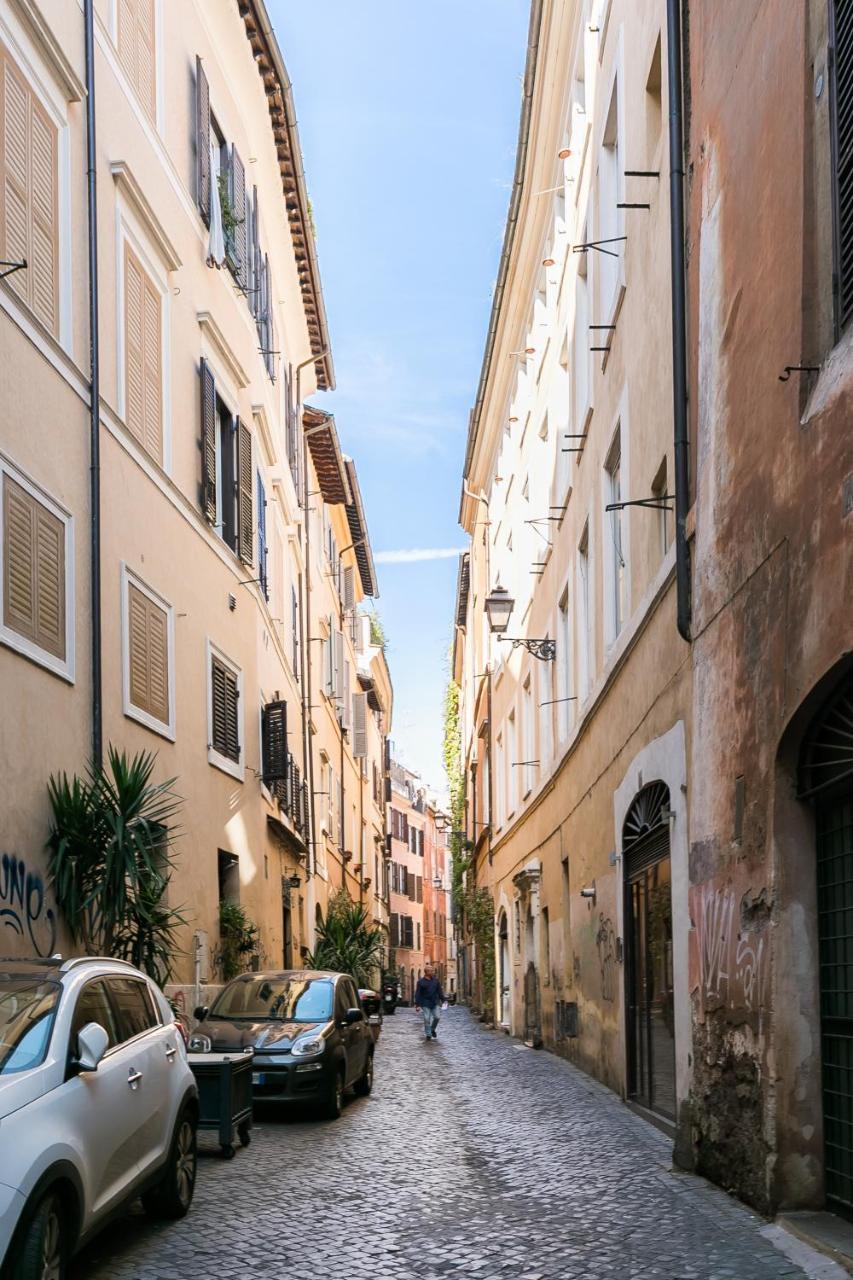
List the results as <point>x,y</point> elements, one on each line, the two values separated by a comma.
<point>224,1096</point>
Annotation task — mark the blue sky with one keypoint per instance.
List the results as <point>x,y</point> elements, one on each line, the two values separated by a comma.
<point>408,117</point>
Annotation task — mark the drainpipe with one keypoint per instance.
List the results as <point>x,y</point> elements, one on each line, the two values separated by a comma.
<point>305,605</point>
<point>94,393</point>
<point>679,317</point>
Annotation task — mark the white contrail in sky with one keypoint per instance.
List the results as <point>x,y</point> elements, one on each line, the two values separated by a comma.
<point>417,553</point>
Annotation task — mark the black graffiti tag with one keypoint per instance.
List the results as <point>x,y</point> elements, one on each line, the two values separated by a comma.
<point>23,905</point>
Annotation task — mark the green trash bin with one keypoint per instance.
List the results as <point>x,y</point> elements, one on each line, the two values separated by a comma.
<point>224,1096</point>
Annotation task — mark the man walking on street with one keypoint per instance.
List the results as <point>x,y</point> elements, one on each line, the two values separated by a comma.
<point>429,998</point>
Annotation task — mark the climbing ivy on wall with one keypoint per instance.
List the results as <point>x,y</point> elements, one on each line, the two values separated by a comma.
<point>456,782</point>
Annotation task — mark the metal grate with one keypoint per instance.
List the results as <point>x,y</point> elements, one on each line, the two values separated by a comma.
<point>835,915</point>
<point>841,107</point>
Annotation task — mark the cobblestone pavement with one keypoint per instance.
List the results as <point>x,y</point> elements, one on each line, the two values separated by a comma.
<point>474,1157</point>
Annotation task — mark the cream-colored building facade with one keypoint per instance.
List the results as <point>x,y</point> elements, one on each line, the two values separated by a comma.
<point>575,746</point>
<point>212,334</point>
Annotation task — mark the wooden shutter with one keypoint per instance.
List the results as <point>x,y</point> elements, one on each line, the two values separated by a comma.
<point>338,663</point>
<point>29,194</point>
<point>208,443</point>
<point>275,742</point>
<point>148,655</point>
<point>225,722</point>
<point>143,356</point>
<point>841,133</point>
<point>245,474</point>
<point>255,272</point>
<point>136,50</point>
<point>419,888</point>
<point>238,208</point>
<point>202,141</point>
<point>346,694</point>
<point>349,587</point>
<point>359,733</point>
<point>294,615</point>
<point>33,569</point>
<point>263,575</point>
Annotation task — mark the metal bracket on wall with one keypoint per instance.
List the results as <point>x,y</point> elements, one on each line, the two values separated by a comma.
<point>596,244</point>
<point>798,368</point>
<point>642,173</point>
<point>651,504</point>
<point>630,204</point>
<point>9,268</point>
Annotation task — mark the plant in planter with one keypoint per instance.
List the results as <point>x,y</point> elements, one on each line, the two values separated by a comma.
<point>240,940</point>
<point>346,942</point>
<point>110,860</point>
<point>230,221</point>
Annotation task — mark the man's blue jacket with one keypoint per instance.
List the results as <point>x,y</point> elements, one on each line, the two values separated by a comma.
<point>428,993</point>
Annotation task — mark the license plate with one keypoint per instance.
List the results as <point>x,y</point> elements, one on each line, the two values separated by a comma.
<point>258,1077</point>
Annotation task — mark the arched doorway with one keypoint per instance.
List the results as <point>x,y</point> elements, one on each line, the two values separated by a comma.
<point>826,781</point>
<point>504,969</point>
<point>649,1000</point>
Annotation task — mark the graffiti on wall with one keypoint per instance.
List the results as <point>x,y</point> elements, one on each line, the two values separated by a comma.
<point>605,941</point>
<point>23,905</point>
<point>731,960</point>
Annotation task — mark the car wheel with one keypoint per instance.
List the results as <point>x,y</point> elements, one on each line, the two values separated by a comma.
<point>173,1195</point>
<point>365,1084</point>
<point>334,1104</point>
<point>43,1251</point>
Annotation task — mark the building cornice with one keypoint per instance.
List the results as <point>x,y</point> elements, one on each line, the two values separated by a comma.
<point>279,92</point>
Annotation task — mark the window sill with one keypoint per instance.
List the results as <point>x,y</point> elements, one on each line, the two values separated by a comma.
<point>150,722</point>
<point>27,649</point>
<point>234,768</point>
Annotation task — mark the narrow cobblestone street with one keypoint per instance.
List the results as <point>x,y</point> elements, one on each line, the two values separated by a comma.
<point>474,1157</point>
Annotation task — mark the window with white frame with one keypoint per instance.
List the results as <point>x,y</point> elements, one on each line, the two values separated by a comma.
<point>580,347</point>
<point>500,782</point>
<point>224,713</point>
<point>665,517</point>
<point>610,220</point>
<point>564,667</point>
<point>528,728</point>
<point>512,760</point>
<point>37,547</point>
<point>546,713</point>
<point>148,655</point>
<point>616,573</point>
<point>561,413</point>
<point>584,613</point>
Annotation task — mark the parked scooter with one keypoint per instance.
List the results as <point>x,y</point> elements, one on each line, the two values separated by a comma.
<point>390,996</point>
<point>372,1005</point>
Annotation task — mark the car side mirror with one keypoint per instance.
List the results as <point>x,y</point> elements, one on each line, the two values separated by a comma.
<point>200,1012</point>
<point>92,1044</point>
<point>354,1015</point>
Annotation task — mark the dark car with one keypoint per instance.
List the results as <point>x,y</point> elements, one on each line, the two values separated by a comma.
<point>371,1003</point>
<point>308,1029</point>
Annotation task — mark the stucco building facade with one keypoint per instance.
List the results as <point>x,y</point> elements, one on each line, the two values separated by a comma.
<point>197,599</point>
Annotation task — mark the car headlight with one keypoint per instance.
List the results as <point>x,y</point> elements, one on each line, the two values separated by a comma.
<point>200,1043</point>
<point>307,1045</point>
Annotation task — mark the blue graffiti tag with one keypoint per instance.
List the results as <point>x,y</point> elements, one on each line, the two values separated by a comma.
<point>22,904</point>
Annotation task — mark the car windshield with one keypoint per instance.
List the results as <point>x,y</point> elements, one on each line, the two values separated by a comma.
<point>27,1009</point>
<point>280,999</point>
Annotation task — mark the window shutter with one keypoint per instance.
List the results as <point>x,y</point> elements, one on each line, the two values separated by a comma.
<point>29,201</point>
<point>359,737</point>
<point>202,141</point>
<point>263,575</point>
<point>346,699</point>
<point>294,614</point>
<point>349,588</point>
<point>338,663</point>
<point>419,888</point>
<point>143,356</point>
<point>146,80</point>
<point>410,885</point>
<point>245,523</point>
<point>225,708</point>
<point>148,655</point>
<point>238,208</point>
<point>153,372</point>
<point>33,570</point>
<point>275,742</point>
<point>841,133</point>
<point>208,443</point>
<point>254,249</point>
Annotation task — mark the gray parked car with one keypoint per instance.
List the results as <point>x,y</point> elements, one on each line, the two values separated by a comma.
<point>97,1106</point>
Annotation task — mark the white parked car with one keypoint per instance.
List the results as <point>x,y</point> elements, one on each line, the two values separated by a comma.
<point>98,1105</point>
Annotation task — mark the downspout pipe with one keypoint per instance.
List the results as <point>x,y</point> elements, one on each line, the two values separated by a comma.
<point>679,317</point>
<point>94,395</point>
<point>305,594</point>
